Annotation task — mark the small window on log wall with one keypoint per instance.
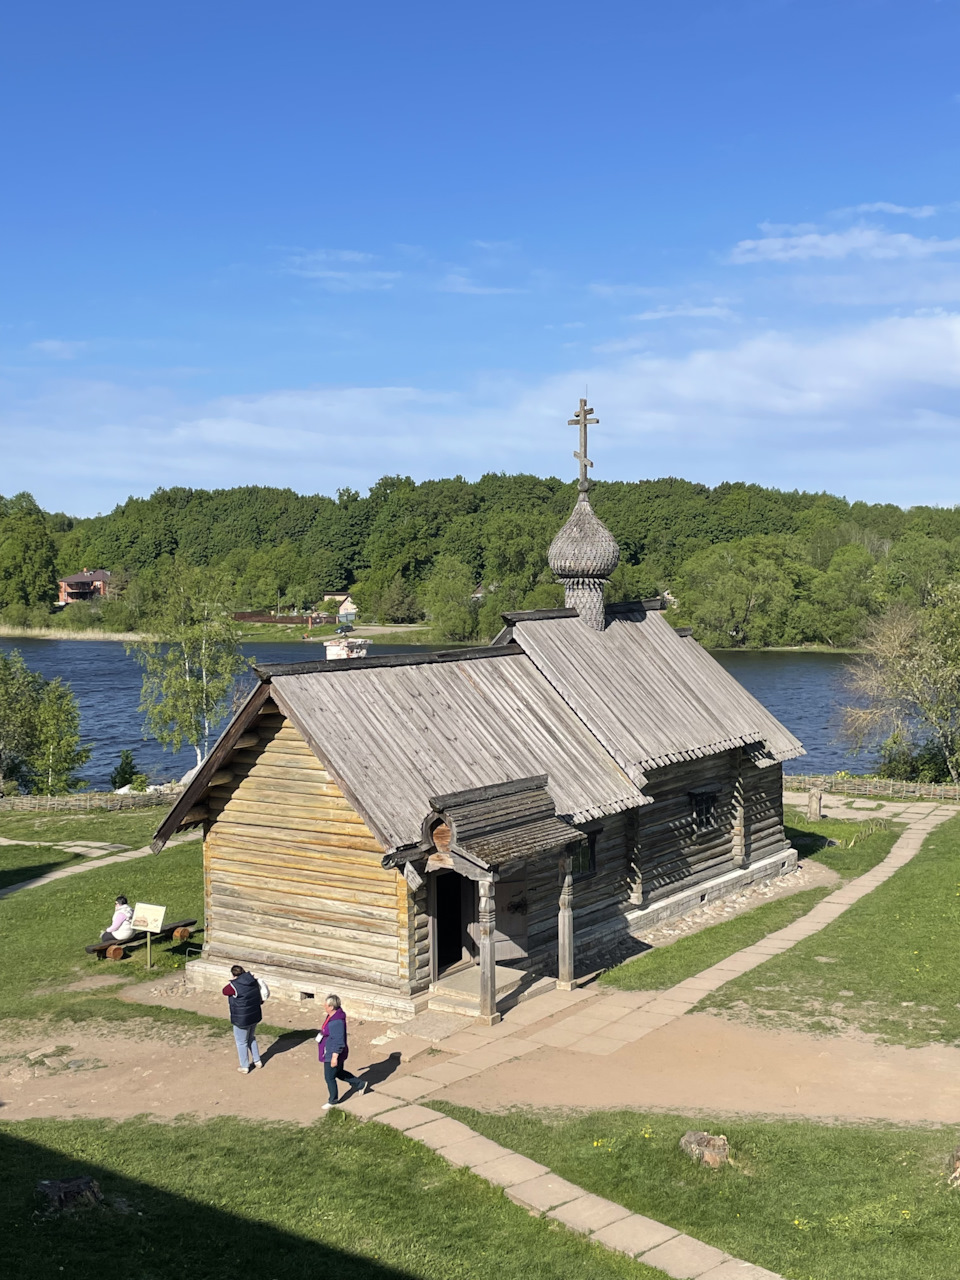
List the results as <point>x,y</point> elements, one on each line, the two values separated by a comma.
<point>704,804</point>
<point>584,857</point>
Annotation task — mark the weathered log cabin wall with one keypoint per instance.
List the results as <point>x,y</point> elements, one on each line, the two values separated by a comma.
<point>292,873</point>
<point>671,853</point>
<point>763,811</point>
<point>646,855</point>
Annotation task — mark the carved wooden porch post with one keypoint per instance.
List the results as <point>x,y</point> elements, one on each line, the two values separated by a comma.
<point>565,980</point>
<point>740,855</point>
<point>488,967</point>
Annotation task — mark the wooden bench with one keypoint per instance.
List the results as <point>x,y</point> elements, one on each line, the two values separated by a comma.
<point>180,932</point>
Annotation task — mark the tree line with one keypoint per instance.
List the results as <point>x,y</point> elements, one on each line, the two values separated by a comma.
<point>747,566</point>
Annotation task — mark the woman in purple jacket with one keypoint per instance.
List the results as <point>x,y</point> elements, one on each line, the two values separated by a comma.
<point>333,1050</point>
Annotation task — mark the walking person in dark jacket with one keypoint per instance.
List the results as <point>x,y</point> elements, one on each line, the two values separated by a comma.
<point>243,993</point>
<point>333,1050</point>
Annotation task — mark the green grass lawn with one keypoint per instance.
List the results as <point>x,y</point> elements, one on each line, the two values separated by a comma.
<point>887,966</point>
<point>664,966</point>
<point>812,1202</point>
<point>227,1199</point>
<point>133,827</point>
<point>861,843</point>
<point>25,862</point>
<point>45,931</point>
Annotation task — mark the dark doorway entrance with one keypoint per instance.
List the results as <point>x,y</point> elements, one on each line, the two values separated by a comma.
<point>454,895</point>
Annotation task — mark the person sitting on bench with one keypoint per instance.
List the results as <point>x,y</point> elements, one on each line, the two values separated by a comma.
<point>121,928</point>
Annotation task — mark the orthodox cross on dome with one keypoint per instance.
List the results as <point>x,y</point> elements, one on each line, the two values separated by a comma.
<point>582,419</point>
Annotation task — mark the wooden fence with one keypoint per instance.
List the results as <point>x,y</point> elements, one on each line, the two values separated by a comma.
<point>87,800</point>
<point>881,788</point>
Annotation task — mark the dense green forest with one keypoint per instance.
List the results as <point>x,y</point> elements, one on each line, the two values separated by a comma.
<point>747,566</point>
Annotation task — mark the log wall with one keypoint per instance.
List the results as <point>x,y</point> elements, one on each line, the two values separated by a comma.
<point>671,854</point>
<point>647,854</point>
<point>292,873</point>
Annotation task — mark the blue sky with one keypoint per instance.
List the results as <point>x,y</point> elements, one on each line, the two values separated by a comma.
<point>310,244</point>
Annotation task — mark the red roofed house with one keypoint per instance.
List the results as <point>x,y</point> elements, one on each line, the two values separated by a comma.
<point>84,586</point>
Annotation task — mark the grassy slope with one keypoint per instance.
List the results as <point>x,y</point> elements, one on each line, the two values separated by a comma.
<point>45,931</point>
<point>895,968</point>
<point>664,966</point>
<point>133,827</point>
<point>26,861</point>
<point>812,1202</point>
<point>227,1198</point>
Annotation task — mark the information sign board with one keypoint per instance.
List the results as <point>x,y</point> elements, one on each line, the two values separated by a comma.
<point>148,916</point>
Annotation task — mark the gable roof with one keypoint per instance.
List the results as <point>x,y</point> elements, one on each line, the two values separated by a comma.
<point>87,576</point>
<point>398,735</point>
<point>651,695</point>
<point>503,823</point>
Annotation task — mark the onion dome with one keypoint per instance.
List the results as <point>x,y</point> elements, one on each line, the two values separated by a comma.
<point>584,547</point>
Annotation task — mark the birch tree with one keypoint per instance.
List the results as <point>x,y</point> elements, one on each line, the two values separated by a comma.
<point>40,748</point>
<point>907,680</point>
<point>57,752</point>
<point>190,668</point>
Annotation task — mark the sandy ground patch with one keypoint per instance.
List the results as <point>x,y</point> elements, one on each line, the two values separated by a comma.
<point>704,1063</point>
<point>174,1071</point>
<point>697,1063</point>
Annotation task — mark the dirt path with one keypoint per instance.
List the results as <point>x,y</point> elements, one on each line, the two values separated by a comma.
<point>171,1072</point>
<point>704,1063</point>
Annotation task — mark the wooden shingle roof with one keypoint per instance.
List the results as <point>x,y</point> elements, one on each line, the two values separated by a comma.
<point>651,695</point>
<point>397,735</point>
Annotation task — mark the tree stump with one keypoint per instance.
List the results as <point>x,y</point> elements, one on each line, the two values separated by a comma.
<point>116,952</point>
<point>181,934</point>
<point>705,1148</point>
<point>60,1195</point>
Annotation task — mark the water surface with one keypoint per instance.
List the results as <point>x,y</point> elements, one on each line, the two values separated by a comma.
<point>803,690</point>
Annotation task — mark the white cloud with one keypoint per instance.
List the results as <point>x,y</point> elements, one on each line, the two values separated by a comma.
<point>860,241</point>
<point>884,206</point>
<point>927,283</point>
<point>460,282</point>
<point>639,342</point>
<point>340,270</point>
<point>603,290</point>
<point>58,349</point>
<point>787,228</point>
<point>717,310</point>
<point>870,411</point>
<point>315,256</point>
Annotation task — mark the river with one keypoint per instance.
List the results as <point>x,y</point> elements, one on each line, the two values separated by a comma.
<point>803,690</point>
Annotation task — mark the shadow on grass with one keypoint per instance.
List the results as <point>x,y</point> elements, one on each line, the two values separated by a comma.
<point>11,876</point>
<point>807,843</point>
<point>153,1232</point>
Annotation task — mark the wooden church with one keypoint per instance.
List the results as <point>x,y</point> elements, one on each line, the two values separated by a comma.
<point>446,829</point>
